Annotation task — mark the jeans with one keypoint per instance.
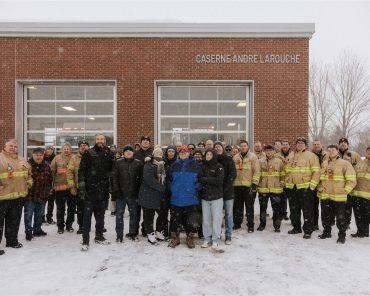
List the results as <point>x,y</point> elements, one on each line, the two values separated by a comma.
<point>35,209</point>
<point>229,217</point>
<point>212,219</point>
<point>61,198</point>
<point>98,209</point>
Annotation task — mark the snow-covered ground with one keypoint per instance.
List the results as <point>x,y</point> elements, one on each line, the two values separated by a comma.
<point>264,263</point>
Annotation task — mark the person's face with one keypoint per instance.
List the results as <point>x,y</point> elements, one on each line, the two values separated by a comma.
<point>277,146</point>
<point>137,147</point>
<point>100,140</point>
<point>113,149</point>
<point>285,146</point>
<point>83,148</point>
<point>191,147</point>
<point>184,154</point>
<point>234,151</point>
<point>300,146</point>
<point>316,146</point>
<point>158,153</point>
<point>171,154</point>
<point>128,154</point>
<point>333,153</point>
<point>219,149</point>
<point>11,148</point>
<point>66,150</point>
<point>209,144</point>
<point>244,147</point>
<point>49,152</point>
<point>198,157</point>
<point>258,147</point>
<point>228,150</point>
<point>269,153</point>
<point>178,146</point>
<point>209,155</point>
<point>38,157</point>
<point>368,154</point>
<point>201,147</point>
<point>343,146</point>
<point>145,144</point>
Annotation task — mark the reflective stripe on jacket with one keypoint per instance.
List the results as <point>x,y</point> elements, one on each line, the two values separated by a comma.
<point>59,171</point>
<point>248,169</point>
<point>272,175</point>
<point>362,188</point>
<point>72,170</point>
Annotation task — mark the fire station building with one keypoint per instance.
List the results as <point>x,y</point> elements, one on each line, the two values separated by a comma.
<point>62,82</point>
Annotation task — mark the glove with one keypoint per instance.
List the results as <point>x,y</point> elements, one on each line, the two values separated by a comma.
<point>253,188</point>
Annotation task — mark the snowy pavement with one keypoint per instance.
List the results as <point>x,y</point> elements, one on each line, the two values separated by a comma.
<point>264,263</point>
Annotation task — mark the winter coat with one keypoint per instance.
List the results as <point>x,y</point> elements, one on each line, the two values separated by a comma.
<point>260,154</point>
<point>151,194</point>
<point>168,162</point>
<point>302,170</point>
<point>337,180</point>
<point>59,170</point>
<point>72,170</point>
<point>247,169</point>
<point>272,176</point>
<point>229,175</point>
<point>212,178</point>
<point>15,176</point>
<point>183,176</point>
<point>362,188</point>
<point>42,182</point>
<point>126,178</point>
<point>141,154</point>
<point>322,155</point>
<point>49,159</point>
<point>94,173</point>
<point>351,156</point>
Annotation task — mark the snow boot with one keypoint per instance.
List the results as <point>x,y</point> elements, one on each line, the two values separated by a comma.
<point>100,239</point>
<point>152,239</point>
<point>261,228</point>
<point>175,240</point>
<point>357,235</point>
<point>324,235</point>
<point>16,245</point>
<point>160,236</point>
<point>69,229</point>
<point>307,236</point>
<point>294,231</point>
<point>250,229</point>
<point>80,230</point>
<point>228,241</point>
<point>2,252</point>
<point>60,230</point>
<point>119,239</point>
<point>29,236</point>
<point>190,240</point>
<point>39,233</point>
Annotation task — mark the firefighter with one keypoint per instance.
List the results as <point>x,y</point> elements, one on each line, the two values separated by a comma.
<point>302,176</point>
<point>72,178</point>
<point>258,150</point>
<point>354,158</point>
<point>15,180</point>
<point>361,197</point>
<point>322,155</point>
<point>338,178</point>
<point>245,185</point>
<point>271,187</point>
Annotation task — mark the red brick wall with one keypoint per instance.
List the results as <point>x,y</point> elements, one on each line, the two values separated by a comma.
<point>280,90</point>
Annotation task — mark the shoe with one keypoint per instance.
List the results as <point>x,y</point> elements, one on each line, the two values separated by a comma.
<point>324,235</point>
<point>206,244</point>
<point>29,236</point>
<point>250,229</point>
<point>294,231</point>
<point>112,214</point>
<point>69,229</point>
<point>132,236</point>
<point>175,240</point>
<point>2,252</point>
<point>228,241</point>
<point>260,228</point>
<point>341,240</point>
<point>100,239</point>
<point>286,218</point>
<point>357,235</point>
<point>190,240</point>
<point>39,233</point>
<point>307,236</point>
<point>277,230</point>
<point>119,239</point>
<point>236,227</point>
<point>104,230</point>
<point>316,227</point>
<point>85,247</point>
<point>60,230</point>
<point>160,236</point>
<point>216,249</point>
<point>152,238</point>
<point>80,230</point>
<point>16,245</point>
<point>50,221</point>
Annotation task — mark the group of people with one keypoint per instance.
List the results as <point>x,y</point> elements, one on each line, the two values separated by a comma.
<point>189,188</point>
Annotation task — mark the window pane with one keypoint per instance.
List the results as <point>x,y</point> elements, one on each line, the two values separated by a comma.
<point>99,108</point>
<point>70,93</point>
<point>40,92</point>
<point>40,124</point>
<point>173,138</point>
<point>99,123</point>
<point>41,139</point>
<point>203,123</point>
<point>174,93</point>
<point>70,108</point>
<point>231,124</point>
<point>73,139</point>
<point>196,138</point>
<point>41,108</point>
<point>203,108</point>
<point>174,108</point>
<point>231,139</point>
<point>203,93</point>
<point>99,93</point>
<point>168,124</point>
<point>231,109</point>
<point>232,93</point>
<point>68,123</point>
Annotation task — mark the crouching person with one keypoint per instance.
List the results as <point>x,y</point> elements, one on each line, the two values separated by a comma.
<point>35,201</point>
<point>212,178</point>
<point>183,176</point>
<point>338,178</point>
<point>271,187</point>
<point>126,180</point>
<point>152,193</point>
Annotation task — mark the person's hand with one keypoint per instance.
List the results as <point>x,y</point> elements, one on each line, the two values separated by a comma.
<point>253,188</point>
<point>312,188</point>
<point>73,191</point>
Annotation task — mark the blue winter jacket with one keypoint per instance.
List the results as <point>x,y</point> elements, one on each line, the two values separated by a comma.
<point>184,182</point>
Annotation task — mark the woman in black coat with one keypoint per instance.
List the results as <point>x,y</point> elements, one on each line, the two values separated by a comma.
<point>152,193</point>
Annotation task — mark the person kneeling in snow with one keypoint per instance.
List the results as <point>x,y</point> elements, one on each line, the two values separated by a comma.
<point>183,176</point>
<point>151,194</point>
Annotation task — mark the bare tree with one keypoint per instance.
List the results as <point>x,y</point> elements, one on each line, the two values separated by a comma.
<point>320,107</point>
<point>350,90</point>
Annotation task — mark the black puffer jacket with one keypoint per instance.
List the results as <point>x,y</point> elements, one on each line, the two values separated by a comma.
<point>212,177</point>
<point>126,178</point>
<point>168,162</point>
<point>141,154</point>
<point>151,194</point>
<point>228,164</point>
<point>94,173</point>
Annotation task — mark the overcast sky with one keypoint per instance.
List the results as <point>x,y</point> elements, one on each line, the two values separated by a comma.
<point>339,25</point>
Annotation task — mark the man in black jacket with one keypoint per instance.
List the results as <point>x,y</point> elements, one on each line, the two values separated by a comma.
<point>228,189</point>
<point>93,178</point>
<point>126,180</point>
